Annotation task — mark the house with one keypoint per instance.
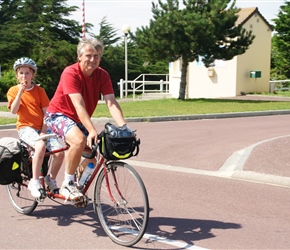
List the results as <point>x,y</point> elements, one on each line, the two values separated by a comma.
<point>246,73</point>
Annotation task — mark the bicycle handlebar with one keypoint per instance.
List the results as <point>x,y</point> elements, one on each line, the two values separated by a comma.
<point>92,154</point>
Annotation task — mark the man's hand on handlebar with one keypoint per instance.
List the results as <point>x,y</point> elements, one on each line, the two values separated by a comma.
<point>90,154</point>
<point>92,139</point>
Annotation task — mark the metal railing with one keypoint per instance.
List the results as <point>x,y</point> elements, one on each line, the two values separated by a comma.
<point>278,85</point>
<point>139,84</point>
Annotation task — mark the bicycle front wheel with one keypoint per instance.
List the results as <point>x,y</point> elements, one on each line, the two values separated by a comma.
<point>121,203</point>
<point>21,198</point>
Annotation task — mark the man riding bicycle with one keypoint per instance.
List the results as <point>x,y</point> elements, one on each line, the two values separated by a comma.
<point>73,104</point>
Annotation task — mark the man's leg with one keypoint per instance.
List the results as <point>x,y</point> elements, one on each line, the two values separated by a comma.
<point>50,179</point>
<point>77,141</point>
<point>56,164</point>
<point>74,136</point>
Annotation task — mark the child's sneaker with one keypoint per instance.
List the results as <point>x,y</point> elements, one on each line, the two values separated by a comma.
<point>35,188</point>
<point>51,185</point>
<point>70,191</point>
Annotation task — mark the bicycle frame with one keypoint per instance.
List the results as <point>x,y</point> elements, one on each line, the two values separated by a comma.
<point>100,163</point>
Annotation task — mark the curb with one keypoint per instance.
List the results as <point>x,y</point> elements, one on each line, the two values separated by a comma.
<point>208,116</point>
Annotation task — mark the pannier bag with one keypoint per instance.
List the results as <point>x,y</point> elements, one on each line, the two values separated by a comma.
<point>118,143</point>
<point>10,160</point>
<point>26,163</point>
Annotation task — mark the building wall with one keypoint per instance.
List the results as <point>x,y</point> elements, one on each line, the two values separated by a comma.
<point>256,58</point>
<point>218,81</point>
<point>232,77</point>
<point>174,78</point>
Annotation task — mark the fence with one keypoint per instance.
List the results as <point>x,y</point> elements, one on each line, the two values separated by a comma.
<point>139,84</point>
<point>278,85</point>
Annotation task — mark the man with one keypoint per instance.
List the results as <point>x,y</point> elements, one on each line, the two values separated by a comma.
<point>73,104</point>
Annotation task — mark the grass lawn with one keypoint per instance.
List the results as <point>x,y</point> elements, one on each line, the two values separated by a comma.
<point>169,107</point>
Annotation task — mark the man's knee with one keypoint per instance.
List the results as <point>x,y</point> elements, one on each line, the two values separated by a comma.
<point>75,138</point>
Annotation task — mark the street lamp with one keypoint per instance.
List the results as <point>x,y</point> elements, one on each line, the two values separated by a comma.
<point>126,29</point>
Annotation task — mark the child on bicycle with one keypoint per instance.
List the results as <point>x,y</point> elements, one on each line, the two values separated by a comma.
<point>29,102</point>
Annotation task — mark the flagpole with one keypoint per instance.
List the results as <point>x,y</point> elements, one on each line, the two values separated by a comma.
<point>83,21</point>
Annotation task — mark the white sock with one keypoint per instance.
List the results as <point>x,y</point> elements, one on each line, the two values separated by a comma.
<point>50,178</point>
<point>68,177</point>
<point>33,181</point>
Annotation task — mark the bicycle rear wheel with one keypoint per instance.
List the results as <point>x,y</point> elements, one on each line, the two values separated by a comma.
<point>124,213</point>
<point>21,198</point>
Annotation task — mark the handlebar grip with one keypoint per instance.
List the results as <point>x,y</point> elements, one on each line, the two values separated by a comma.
<point>92,154</point>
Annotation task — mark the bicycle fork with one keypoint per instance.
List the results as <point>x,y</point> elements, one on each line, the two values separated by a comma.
<point>123,201</point>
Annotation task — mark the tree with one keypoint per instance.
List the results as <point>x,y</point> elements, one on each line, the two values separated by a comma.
<point>202,30</point>
<point>6,81</point>
<point>281,43</point>
<point>108,34</point>
<point>39,29</point>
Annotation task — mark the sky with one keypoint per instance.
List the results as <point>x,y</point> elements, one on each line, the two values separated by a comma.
<point>137,13</point>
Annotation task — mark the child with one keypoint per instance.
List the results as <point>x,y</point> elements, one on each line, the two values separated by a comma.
<point>29,102</point>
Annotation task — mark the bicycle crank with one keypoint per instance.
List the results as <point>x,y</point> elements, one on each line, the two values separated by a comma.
<point>83,202</point>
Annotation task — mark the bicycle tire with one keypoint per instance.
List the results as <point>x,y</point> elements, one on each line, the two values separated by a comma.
<point>125,223</point>
<point>20,197</point>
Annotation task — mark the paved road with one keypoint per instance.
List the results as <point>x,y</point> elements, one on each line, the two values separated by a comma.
<point>212,184</point>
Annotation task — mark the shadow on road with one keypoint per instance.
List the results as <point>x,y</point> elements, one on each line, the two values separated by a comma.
<point>65,215</point>
<point>186,230</point>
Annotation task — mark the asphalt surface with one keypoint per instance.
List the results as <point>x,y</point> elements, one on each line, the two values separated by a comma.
<point>216,182</point>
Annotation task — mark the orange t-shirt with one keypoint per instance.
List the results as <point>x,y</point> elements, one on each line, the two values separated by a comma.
<point>30,111</point>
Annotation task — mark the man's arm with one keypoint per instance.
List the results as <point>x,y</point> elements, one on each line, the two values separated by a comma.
<point>115,109</point>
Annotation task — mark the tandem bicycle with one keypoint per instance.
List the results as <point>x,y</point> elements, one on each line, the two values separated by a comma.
<point>120,198</point>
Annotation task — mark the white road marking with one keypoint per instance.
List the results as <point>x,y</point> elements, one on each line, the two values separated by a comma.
<point>230,172</point>
<point>179,244</point>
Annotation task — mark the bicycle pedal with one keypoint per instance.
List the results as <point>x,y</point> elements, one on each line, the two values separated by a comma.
<point>55,191</point>
<point>42,194</point>
<point>81,203</point>
<point>41,198</point>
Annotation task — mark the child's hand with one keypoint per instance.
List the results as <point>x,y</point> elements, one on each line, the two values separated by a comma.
<point>23,85</point>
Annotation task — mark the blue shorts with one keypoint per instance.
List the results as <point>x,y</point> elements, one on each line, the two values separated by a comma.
<point>29,135</point>
<point>60,124</point>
